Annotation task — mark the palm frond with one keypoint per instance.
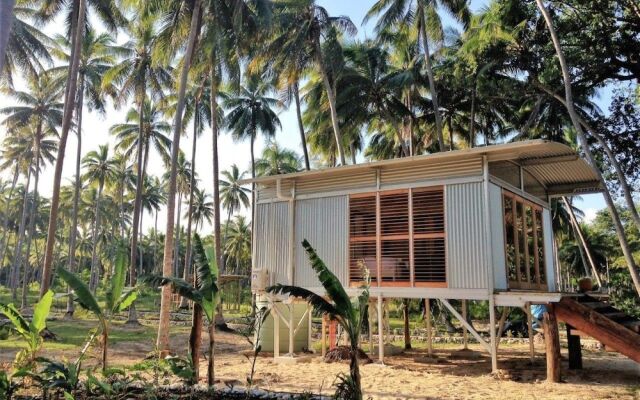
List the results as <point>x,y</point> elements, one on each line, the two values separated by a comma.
<point>178,286</point>
<point>318,303</point>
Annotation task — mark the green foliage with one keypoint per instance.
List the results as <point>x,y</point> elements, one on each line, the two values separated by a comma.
<point>623,293</point>
<point>183,368</point>
<point>29,331</point>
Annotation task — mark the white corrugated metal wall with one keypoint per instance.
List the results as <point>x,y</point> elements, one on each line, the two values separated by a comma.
<point>549,260</point>
<point>324,223</point>
<point>272,240</point>
<point>466,237</point>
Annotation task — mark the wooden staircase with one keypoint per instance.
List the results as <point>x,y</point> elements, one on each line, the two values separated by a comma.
<point>586,315</point>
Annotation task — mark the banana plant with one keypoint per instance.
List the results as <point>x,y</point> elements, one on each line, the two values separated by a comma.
<point>30,331</point>
<point>350,315</point>
<point>204,294</point>
<point>117,299</point>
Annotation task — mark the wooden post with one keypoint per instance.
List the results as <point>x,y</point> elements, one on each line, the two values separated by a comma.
<point>552,344</point>
<point>309,324</point>
<point>532,352</point>
<point>292,332</point>
<point>465,334</point>
<point>276,334</point>
<point>492,334</point>
<point>407,333</point>
<point>323,335</point>
<point>575,349</point>
<point>503,318</point>
<point>380,331</point>
<point>427,317</point>
<point>370,320</point>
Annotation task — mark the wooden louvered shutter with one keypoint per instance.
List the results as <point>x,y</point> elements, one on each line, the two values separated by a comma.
<point>429,236</point>
<point>362,236</point>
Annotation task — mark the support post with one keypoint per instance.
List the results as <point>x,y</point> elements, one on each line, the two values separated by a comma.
<point>292,330</point>
<point>276,334</point>
<point>575,349</point>
<point>323,335</point>
<point>489,264</point>
<point>427,317</point>
<point>380,330</point>
<point>370,321</point>
<point>407,332</point>
<point>465,333</point>
<point>492,333</point>
<point>532,352</point>
<point>309,325</point>
<point>503,318</point>
<point>552,344</point>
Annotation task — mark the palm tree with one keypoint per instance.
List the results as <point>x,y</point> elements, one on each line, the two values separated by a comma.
<point>99,169</point>
<point>575,120</point>
<point>202,209</point>
<point>276,160</point>
<point>135,75</point>
<point>232,194</point>
<point>300,30</point>
<point>24,47</point>
<point>152,200</point>
<point>250,113</point>
<point>338,307</point>
<point>423,14</point>
<point>237,244</point>
<point>165,304</point>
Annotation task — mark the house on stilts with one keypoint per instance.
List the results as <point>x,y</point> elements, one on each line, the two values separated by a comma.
<point>472,224</point>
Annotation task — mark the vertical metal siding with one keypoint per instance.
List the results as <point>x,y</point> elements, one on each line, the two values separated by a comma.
<point>324,223</point>
<point>466,242</point>
<point>549,260</point>
<point>272,240</point>
<point>497,237</point>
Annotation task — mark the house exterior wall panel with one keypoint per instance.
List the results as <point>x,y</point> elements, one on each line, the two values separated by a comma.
<point>271,240</point>
<point>466,238</point>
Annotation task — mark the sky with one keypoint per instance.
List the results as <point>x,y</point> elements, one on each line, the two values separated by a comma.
<point>95,129</point>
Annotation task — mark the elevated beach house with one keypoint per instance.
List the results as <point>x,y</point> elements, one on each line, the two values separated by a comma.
<point>471,224</point>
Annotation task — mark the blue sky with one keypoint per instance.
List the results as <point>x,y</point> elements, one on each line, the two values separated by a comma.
<point>95,127</point>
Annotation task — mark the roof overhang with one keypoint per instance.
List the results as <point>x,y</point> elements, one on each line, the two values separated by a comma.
<point>555,165</point>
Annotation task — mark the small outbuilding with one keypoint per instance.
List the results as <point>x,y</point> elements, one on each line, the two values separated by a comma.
<point>472,224</point>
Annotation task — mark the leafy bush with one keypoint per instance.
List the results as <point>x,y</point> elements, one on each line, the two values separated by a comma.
<point>623,294</point>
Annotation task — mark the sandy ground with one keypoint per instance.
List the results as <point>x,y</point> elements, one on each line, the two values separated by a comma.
<point>453,374</point>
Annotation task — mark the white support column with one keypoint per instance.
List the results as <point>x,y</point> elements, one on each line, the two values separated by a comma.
<point>309,325</point>
<point>380,330</point>
<point>465,334</point>
<point>276,333</point>
<point>292,330</point>
<point>489,265</point>
<point>532,351</point>
<point>370,320</point>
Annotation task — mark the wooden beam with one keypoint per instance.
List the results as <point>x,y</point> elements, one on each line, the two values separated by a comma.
<point>612,334</point>
<point>465,333</point>
<point>427,317</point>
<point>323,335</point>
<point>532,352</point>
<point>503,318</point>
<point>469,327</point>
<point>552,344</point>
<point>380,331</point>
<point>407,332</point>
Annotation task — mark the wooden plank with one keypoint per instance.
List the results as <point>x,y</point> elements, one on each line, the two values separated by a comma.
<point>525,231</point>
<point>516,238</point>
<point>552,344</point>
<point>378,241</point>
<point>412,264</point>
<point>475,334</point>
<point>536,249</point>
<point>427,317</point>
<point>612,334</point>
<point>465,333</point>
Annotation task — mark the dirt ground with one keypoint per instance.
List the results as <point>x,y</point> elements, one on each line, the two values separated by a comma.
<point>452,374</point>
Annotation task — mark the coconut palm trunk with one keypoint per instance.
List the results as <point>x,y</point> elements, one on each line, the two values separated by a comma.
<point>332,103</point>
<point>187,256</point>
<point>5,220</point>
<point>15,267</point>
<point>6,21</point>
<point>176,251</point>
<point>575,120</point>
<point>69,105</point>
<point>32,217</point>
<point>162,342</point>
<point>432,81</point>
<point>73,229</point>
<point>137,205</point>
<point>303,137</point>
<point>93,280</point>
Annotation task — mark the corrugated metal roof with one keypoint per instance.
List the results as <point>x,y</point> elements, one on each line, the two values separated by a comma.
<point>555,165</point>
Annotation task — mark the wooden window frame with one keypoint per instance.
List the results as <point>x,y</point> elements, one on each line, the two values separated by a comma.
<point>530,283</point>
<point>410,236</point>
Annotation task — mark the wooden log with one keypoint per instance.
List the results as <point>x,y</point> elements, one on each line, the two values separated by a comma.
<point>323,335</point>
<point>612,334</point>
<point>575,350</point>
<point>552,344</point>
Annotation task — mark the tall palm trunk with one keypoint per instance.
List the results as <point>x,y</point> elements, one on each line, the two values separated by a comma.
<point>216,209</point>
<point>6,21</point>
<point>93,280</point>
<point>137,205</point>
<point>575,120</point>
<point>15,267</point>
<point>187,256</point>
<point>73,229</point>
<point>303,137</point>
<point>5,220</point>
<point>69,103</point>
<point>176,251</point>
<point>162,342</point>
<point>332,103</point>
<point>432,81</point>
<point>32,217</point>
<point>472,115</point>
